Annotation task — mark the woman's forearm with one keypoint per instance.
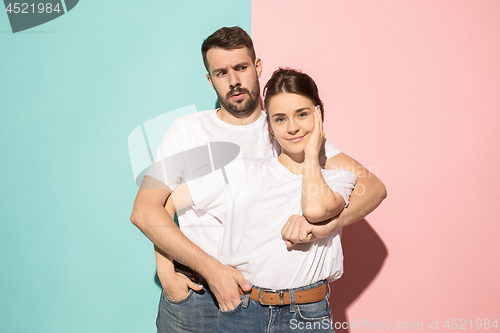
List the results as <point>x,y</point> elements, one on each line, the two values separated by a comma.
<point>318,201</point>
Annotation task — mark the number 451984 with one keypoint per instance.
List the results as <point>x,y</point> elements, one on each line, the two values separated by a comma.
<point>24,8</point>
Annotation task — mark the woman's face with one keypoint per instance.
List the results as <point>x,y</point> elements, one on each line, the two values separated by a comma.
<point>291,118</point>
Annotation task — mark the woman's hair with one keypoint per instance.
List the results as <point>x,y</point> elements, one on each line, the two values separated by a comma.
<point>287,80</point>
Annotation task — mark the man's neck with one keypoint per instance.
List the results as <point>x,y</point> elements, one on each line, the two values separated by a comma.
<point>247,119</point>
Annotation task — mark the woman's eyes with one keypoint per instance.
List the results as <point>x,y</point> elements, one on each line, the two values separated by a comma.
<point>300,115</point>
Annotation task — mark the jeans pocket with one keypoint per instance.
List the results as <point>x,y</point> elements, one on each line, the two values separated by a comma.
<point>174,301</point>
<point>314,311</point>
<point>232,310</point>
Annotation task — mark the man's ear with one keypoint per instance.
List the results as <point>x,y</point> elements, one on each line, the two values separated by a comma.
<point>209,78</point>
<point>258,66</point>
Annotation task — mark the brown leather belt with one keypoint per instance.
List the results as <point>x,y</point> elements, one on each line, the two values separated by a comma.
<point>194,276</point>
<point>272,297</point>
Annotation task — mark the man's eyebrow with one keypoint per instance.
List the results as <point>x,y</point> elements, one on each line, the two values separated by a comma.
<point>218,70</point>
<point>245,63</point>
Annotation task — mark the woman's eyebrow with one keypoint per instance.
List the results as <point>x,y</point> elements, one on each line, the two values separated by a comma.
<point>278,114</point>
<point>302,109</point>
<point>296,111</point>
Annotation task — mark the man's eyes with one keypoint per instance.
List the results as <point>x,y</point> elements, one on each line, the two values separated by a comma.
<point>239,69</point>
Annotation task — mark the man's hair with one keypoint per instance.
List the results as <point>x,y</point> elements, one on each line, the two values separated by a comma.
<point>286,80</point>
<point>228,39</point>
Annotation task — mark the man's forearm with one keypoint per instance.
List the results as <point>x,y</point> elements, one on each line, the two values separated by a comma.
<point>150,217</point>
<point>367,194</point>
<point>164,265</point>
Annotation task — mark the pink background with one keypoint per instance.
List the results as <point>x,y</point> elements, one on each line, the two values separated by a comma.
<point>412,91</point>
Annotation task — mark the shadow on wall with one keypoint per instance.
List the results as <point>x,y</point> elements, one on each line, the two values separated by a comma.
<point>364,256</point>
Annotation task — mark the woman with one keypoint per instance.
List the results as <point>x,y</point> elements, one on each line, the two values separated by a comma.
<point>289,280</point>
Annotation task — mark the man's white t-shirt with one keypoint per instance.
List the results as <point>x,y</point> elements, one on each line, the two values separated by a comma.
<point>186,153</point>
<point>253,211</point>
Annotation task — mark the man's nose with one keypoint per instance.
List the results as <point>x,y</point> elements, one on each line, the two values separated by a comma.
<point>234,80</point>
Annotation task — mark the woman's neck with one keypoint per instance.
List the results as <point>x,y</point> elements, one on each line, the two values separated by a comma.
<point>293,162</point>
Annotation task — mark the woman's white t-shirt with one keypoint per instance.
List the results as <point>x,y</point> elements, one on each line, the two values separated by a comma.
<point>253,203</point>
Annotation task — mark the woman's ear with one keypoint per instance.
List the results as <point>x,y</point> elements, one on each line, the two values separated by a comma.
<point>271,133</point>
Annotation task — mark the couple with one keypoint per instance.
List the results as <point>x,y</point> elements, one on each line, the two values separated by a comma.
<point>185,306</point>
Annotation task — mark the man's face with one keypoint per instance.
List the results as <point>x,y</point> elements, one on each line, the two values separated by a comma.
<point>234,76</point>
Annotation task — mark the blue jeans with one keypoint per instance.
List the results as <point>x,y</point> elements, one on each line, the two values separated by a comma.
<point>250,316</point>
<point>197,312</point>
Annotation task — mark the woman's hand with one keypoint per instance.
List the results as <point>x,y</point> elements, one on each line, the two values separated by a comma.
<point>317,136</point>
<point>298,230</point>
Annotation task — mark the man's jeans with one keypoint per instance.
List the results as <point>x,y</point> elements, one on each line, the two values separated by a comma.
<point>250,316</point>
<point>197,312</point>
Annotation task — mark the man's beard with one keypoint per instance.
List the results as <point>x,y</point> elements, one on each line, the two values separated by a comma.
<point>244,107</point>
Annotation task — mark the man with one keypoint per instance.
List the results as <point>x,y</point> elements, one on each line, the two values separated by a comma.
<point>233,72</point>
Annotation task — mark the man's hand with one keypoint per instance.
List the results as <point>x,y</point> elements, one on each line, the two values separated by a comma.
<point>177,285</point>
<point>298,230</point>
<point>224,281</point>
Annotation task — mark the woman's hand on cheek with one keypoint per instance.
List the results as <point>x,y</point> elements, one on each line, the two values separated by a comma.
<point>317,136</point>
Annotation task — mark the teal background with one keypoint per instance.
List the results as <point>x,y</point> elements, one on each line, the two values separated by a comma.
<point>71,91</point>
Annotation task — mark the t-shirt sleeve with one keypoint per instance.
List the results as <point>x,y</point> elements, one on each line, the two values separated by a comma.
<point>165,166</point>
<point>181,155</point>
<point>341,181</point>
<point>207,191</point>
<point>330,150</point>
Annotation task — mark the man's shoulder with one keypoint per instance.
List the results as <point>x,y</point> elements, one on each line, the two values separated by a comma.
<point>196,116</point>
<point>192,122</point>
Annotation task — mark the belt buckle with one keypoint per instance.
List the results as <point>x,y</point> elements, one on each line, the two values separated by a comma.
<point>280,293</point>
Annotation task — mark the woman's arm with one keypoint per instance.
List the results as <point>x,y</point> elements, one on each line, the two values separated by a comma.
<point>319,202</point>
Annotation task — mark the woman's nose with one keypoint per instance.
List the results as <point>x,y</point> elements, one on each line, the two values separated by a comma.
<point>292,127</point>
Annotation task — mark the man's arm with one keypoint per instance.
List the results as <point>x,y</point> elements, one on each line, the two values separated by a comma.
<point>150,216</point>
<point>367,194</point>
<point>176,285</point>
